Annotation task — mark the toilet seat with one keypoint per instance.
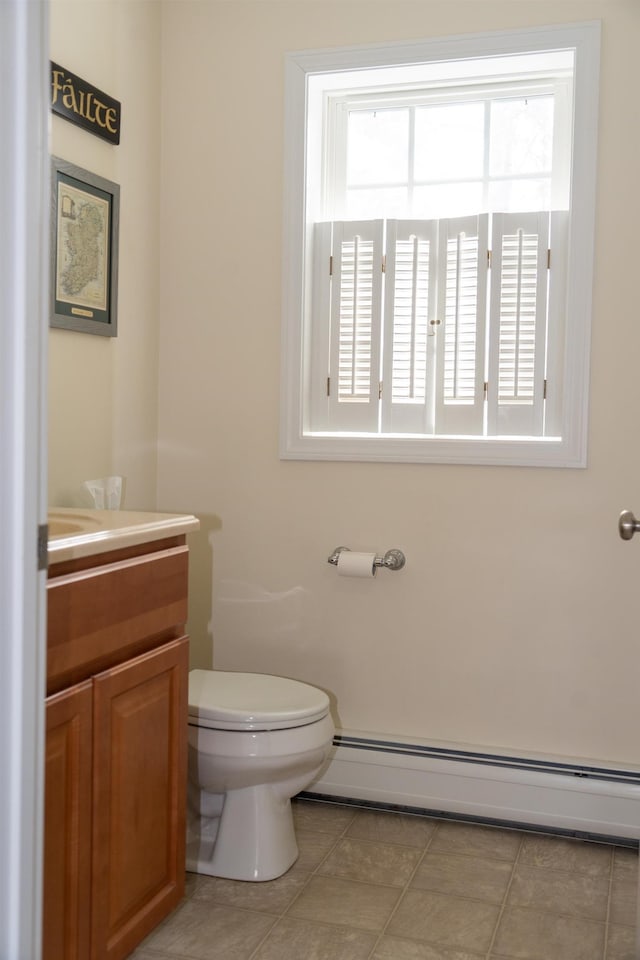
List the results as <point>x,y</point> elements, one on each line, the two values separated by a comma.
<point>224,700</point>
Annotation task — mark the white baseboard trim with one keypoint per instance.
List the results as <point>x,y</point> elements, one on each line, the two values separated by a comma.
<point>569,797</point>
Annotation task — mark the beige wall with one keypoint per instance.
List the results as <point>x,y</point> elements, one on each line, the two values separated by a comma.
<point>103,391</point>
<point>515,621</point>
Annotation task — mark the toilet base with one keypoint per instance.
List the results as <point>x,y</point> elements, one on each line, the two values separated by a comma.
<point>253,839</point>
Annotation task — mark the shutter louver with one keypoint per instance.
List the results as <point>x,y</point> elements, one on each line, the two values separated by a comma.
<point>355,319</point>
<point>518,323</point>
<point>461,333</point>
<point>410,303</point>
<point>460,326</point>
<point>516,349</point>
<point>356,304</point>
<point>409,309</point>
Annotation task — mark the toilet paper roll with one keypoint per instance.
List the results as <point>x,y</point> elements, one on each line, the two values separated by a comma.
<point>352,564</point>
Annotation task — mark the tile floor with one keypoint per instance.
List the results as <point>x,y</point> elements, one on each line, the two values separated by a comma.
<point>373,885</point>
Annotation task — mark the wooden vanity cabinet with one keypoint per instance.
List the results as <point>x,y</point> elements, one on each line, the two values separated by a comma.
<point>116,749</point>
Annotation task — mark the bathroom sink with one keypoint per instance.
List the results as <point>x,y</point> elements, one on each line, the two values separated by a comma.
<point>83,532</point>
<point>66,525</point>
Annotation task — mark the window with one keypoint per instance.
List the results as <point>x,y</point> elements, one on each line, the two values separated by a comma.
<point>438,234</point>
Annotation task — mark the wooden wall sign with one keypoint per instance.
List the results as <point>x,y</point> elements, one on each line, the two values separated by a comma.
<point>85,105</point>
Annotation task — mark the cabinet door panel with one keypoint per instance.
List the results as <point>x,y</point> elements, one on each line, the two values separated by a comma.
<point>140,750</point>
<point>67,828</point>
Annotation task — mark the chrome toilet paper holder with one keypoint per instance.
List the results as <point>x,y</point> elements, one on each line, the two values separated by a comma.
<point>392,560</point>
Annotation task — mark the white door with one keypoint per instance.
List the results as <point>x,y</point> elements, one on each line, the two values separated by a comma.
<point>627,527</point>
<point>23,328</point>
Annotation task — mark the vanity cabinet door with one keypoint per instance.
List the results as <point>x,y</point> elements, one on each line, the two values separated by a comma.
<point>67,828</point>
<point>140,757</point>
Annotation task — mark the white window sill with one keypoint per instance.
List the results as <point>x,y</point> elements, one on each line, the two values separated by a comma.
<point>503,451</point>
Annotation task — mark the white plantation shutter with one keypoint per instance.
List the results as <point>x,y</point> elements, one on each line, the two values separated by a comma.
<point>409,351</point>
<point>317,360</point>
<point>409,309</point>
<point>356,321</point>
<point>556,321</point>
<point>462,285</point>
<point>518,324</point>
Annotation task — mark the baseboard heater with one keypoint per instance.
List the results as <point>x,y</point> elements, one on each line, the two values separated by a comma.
<point>592,801</point>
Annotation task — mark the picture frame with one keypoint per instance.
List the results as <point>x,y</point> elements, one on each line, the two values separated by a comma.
<point>85,220</point>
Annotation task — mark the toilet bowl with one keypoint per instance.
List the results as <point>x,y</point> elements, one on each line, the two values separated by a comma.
<point>254,742</point>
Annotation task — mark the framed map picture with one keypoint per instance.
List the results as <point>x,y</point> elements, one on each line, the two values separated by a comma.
<point>84,250</point>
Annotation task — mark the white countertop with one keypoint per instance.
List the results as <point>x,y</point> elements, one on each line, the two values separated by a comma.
<point>76,532</point>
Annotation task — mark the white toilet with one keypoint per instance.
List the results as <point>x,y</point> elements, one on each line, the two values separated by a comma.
<point>254,742</point>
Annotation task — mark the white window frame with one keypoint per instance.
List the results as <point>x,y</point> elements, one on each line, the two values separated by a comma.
<point>569,448</point>
<point>339,105</point>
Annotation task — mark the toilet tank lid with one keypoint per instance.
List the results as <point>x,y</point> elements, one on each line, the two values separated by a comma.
<point>252,701</point>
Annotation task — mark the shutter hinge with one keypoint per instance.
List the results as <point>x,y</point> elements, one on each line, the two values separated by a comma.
<point>380,390</point>
<point>43,547</point>
<point>544,390</point>
<point>328,386</point>
<point>384,263</point>
<point>331,265</point>
<point>486,389</point>
<point>489,259</point>
<point>548,259</point>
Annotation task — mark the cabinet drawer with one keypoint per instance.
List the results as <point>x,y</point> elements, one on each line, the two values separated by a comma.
<point>99,617</point>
